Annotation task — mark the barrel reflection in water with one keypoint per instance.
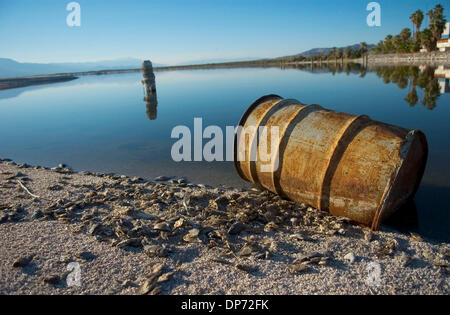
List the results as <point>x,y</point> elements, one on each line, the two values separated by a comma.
<point>149,83</point>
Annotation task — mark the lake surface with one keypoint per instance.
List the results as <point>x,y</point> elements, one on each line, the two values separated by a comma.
<point>102,123</point>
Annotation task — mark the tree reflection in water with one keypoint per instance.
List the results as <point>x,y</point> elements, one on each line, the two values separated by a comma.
<point>422,77</point>
<point>425,78</point>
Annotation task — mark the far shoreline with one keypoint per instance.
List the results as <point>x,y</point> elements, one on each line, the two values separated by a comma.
<point>18,82</point>
<point>412,59</point>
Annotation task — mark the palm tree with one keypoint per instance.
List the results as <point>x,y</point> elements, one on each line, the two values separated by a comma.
<point>412,98</point>
<point>388,45</point>
<point>340,54</point>
<point>417,19</point>
<point>431,94</point>
<point>347,52</point>
<point>437,21</point>
<point>332,52</point>
<point>363,48</point>
<point>427,40</point>
<point>362,72</point>
<point>405,34</point>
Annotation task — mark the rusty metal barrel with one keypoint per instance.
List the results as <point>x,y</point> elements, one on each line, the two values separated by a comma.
<point>348,165</point>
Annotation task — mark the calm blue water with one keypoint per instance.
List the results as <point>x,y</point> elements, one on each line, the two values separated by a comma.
<point>100,123</point>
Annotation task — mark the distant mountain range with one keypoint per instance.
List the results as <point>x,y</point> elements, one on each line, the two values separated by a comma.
<point>324,51</point>
<point>12,68</point>
<point>215,60</point>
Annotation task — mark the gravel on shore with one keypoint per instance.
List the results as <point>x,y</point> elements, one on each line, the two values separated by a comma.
<point>64,232</point>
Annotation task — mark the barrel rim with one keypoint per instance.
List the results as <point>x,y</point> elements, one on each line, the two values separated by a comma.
<point>242,121</point>
<point>378,217</point>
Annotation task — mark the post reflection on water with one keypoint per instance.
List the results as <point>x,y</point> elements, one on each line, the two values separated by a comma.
<point>149,83</point>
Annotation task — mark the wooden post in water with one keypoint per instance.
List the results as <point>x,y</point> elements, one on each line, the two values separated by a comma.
<point>149,83</point>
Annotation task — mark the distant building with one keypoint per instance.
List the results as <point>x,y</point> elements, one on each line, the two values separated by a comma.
<point>442,73</point>
<point>444,43</point>
<point>444,85</point>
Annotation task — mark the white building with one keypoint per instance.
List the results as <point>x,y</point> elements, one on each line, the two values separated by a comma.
<point>443,75</point>
<point>444,43</point>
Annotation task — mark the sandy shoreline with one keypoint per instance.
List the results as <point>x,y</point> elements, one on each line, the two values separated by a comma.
<point>13,83</point>
<point>130,236</point>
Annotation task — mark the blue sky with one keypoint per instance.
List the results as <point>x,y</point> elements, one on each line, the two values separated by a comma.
<point>176,31</point>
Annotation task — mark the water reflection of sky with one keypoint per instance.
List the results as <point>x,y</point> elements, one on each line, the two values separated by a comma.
<point>101,123</point>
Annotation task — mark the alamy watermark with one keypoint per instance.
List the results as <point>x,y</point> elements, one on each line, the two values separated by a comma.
<point>74,277</point>
<point>374,17</point>
<point>74,17</point>
<point>373,274</point>
<point>262,148</point>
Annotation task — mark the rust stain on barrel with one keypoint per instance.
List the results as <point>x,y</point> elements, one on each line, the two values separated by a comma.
<point>348,165</point>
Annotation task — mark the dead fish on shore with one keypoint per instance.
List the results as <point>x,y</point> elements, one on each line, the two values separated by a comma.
<point>312,258</point>
<point>192,236</point>
<point>18,174</point>
<point>247,268</point>
<point>86,256</point>
<point>415,237</point>
<point>55,187</point>
<point>387,248</point>
<point>237,228</point>
<point>405,260</point>
<point>440,263</point>
<point>94,228</point>
<point>271,226</point>
<point>298,268</point>
<point>14,214</point>
<point>52,279</point>
<point>132,242</point>
<point>220,203</point>
<point>161,178</point>
<point>150,285</point>
<point>23,261</point>
<point>368,235</point>
<point>186,201</point>
<point>249,249</point>
<point>162,226</point>
<point>179,223</point>
<point>156,251</point>
<point>221,261</point>
<point>165,277</point>
<point>300,237</point>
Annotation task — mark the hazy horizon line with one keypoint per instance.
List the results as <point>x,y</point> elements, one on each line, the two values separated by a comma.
<point>181,62</point>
